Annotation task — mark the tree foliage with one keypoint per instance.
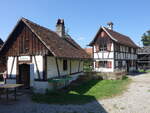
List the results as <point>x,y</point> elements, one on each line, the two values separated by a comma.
<point>146,38</point>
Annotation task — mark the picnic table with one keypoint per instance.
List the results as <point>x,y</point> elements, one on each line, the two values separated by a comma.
<point>10,86</point>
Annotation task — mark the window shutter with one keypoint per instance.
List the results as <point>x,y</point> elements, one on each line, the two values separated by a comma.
<point>109,64</point>
<point>109,46</point>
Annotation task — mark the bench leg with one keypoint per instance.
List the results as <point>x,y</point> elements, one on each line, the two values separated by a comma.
<point>15,93</point>
<point>7,94</point>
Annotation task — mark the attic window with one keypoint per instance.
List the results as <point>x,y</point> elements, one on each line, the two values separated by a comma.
<point>103,47</point>
<point>65,65</point>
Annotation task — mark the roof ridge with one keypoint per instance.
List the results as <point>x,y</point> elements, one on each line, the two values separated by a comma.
<point>117,32</point>
<point>24,19</point>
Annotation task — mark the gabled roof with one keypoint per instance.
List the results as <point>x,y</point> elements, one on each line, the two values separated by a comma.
<point>117,37</point>
<point>58,46</point>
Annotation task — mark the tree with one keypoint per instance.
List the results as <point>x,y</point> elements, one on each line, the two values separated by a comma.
<point>146,38</point>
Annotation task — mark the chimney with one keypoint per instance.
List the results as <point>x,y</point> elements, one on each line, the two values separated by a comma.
<point>60,27</point>
<point>110,25</point>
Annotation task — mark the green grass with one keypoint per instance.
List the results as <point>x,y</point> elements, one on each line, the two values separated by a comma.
<point>86,92</point>
<point>142,70</point>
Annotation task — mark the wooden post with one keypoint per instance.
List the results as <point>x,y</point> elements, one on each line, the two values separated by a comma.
<point>79,65</point>
<point>57,67</point>
<point>37,68</point>
<point>44,67</point>
<point>12,65</point>
<point>70,66</point>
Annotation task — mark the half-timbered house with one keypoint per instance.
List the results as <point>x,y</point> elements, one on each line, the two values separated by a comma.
<point>36,54</point>
<point>113,51</point>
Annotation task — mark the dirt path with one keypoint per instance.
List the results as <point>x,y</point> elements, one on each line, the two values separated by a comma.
<point>135,100</point>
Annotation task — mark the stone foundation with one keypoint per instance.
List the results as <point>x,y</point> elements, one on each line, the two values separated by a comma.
<point>107,75</point>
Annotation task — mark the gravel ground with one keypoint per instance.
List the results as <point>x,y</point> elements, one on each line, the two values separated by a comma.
<point>135,100</point>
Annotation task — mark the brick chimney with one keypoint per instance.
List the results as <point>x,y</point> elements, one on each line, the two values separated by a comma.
<point>60,27</point>
<point>110,25</point>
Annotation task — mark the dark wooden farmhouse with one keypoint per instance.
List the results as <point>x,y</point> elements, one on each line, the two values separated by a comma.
<point>113,52</point>
<point>36,54</point>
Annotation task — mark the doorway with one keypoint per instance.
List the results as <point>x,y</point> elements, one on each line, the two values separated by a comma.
<point>24,75</point>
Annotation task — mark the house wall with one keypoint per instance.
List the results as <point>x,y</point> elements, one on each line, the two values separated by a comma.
<point>115,52</point>
<point>40,86</point>
<point>52,67</point>
<point>12,66</point>
<point>52,72</point>
<point>104,54</point>
<point>33,68</point>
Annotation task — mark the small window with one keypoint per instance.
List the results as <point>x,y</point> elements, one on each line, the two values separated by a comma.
<point>65,65</point>
<point>103,47</point>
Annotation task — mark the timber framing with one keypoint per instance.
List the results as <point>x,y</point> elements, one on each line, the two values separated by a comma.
<point>113,48</point>
<point>58,71</point>
<point>12,65</point>
<point>39,77</point>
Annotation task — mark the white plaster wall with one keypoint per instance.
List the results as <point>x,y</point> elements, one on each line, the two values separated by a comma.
<point>104,54</point>
<point>132,68</point>
<point>74,66</point>
<point>32,75</point>
<point>39,60</point>
<point>60,64</point>
<point>11,81</point>
<point>81,66</point>
<point>40,87</point>
<point>52,67</point>
<point>9,66</point>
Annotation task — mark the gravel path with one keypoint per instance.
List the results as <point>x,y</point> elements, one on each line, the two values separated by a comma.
<point>135,100</point>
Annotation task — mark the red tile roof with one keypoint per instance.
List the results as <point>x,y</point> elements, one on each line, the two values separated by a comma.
<point>89,51</point>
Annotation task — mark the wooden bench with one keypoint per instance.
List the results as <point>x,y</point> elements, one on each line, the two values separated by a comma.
<point>9,86</point>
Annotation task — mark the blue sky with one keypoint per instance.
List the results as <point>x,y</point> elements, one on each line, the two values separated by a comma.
<point>82,17</point>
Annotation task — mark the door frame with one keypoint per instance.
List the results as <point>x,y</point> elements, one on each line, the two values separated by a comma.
<point>18,79</point>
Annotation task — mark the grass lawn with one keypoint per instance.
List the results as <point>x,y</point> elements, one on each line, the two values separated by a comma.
<point>142,70</point>
<point>86,92</point>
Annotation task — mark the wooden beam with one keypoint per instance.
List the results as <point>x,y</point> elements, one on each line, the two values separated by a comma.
<point>37,68</point>
<point>70,66</point>
<point>79,65</point>
<point>12,66</point>
<point>57,67</point>
<point>17,72</point>
<point>44,67</point>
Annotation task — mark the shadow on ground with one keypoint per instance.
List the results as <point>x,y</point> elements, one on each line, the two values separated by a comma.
<point>25,105</point>
<point>136,73</point>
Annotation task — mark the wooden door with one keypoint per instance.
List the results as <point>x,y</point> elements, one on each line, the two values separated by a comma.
<point>24,75</point>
